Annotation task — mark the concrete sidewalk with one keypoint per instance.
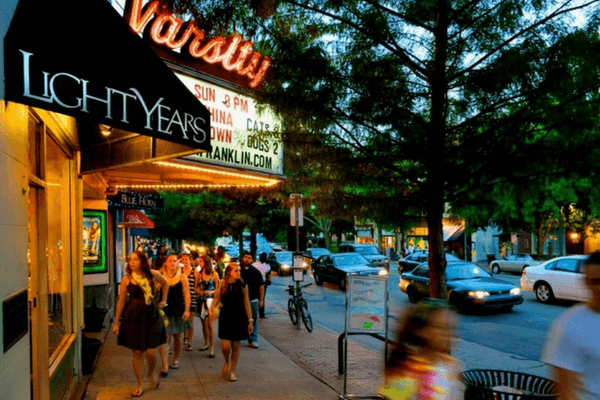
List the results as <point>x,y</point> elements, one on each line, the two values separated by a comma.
<point>289,364</point>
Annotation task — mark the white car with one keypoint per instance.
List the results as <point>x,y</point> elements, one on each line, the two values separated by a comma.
<point>559,278</point>
<point>515,263</point>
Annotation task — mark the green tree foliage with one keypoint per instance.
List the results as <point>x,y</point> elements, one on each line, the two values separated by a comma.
<point>205,216</point>
<point>432,98</point>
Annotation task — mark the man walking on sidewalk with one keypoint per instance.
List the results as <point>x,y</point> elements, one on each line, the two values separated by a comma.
<point>573,344</point>
<point>256,291</point>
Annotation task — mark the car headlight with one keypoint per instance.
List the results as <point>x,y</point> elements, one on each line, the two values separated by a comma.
<point>515,291</point>
<point>383,272</point>
<point>480,294</point>
<point>285,266</point>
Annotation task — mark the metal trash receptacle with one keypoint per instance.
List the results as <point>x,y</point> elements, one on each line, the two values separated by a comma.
<point>492,384</point>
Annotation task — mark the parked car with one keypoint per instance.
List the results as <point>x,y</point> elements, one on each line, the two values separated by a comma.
<point>368,251</point>
<point>312,254</point>
<point>282,262</point>
<point>558,278</point>
<point>467,286</point>
<point>516,262</point>
<point>336,268</point>
<point>416,258</point>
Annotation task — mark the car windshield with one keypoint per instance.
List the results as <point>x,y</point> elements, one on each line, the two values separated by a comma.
<point>283,258</point>
<point>348,259</point>
<point>367,250</point>
<point>465,271</point>
<point>451,257</point>
<point>318,252</point>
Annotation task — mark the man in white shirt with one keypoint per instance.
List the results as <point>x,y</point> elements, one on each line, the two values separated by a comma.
<point>573,344</point>
<point>265,270</point>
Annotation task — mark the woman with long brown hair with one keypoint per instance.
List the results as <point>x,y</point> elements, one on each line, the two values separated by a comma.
<point>207,284</point>
<point>138,324</point>
<point>235,320</point>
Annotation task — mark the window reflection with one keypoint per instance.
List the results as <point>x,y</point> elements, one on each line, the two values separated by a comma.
<point>58,198</point>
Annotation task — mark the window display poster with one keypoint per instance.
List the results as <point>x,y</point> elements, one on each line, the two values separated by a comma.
<point>94,242</point>
<point>367,303</point>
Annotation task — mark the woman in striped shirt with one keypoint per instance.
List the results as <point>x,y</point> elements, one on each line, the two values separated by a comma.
<point>188,270</point>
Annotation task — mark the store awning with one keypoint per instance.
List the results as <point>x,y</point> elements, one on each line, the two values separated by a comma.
<point>136,219</point>
<point>453,233</point>
<point>81,58</point>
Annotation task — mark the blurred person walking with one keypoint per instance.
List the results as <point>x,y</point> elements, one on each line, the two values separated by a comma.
<point>420,367</point>
<point>265,270</point>
<point>207,284</point>
<point>138,324</point>
<point>188,270</point>
<point>572,347</point>
<point>177,310</point>
<point>256,291</point>
<point>220,260</point>
<point>235,321</point>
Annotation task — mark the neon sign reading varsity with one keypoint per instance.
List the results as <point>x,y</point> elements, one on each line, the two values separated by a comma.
<point>167,30</point>
<point>157,116</point>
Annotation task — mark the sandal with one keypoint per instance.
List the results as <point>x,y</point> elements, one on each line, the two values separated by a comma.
<point>175,365</point>
<point>211,355</point>
<point>232,377</point>
<point>189,347</point>
<point>138,393</point>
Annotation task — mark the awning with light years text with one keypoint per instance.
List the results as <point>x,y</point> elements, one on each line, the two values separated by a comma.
<point>81,58</point>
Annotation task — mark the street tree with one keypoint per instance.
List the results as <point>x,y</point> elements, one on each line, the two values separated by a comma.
<point>432,97</point>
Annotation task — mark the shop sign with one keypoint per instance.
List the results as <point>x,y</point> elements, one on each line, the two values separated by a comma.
<point>232,54</point>
<point>125,199</point>
<point>112,78</point>
<point>241,136</point>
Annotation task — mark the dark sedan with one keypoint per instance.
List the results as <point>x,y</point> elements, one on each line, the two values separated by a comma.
<point>409,262</point>
<point>337,267</point>
<point>311,255</point>
<point>282,262</point>
<point>467,286</point>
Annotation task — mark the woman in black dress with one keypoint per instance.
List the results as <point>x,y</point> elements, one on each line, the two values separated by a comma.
<point>138,324</point>
<point>235,320</point>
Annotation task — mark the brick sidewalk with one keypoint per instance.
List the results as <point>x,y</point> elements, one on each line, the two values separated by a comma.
<point>317,353</point>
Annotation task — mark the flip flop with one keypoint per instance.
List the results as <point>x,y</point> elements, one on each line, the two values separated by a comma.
<point>189,347</point>
<point>175,365</point>
<point>138,393</point>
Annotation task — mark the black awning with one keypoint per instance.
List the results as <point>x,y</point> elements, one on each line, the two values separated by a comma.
<point>80,58</point>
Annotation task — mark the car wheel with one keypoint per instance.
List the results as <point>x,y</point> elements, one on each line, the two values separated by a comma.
<point>343,284</point>
<point>318,280</point>
<point>459,304</point>
<point>543,292</point>
<point>413,295</point>
<point>496,268</point>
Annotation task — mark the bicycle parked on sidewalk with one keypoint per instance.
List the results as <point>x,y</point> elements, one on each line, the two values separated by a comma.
<point>293,303</point>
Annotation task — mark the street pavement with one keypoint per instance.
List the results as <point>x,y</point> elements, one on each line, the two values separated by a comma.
<point>289,364</point>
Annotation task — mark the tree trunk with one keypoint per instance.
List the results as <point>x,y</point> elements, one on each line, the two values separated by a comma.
<point>435,152</point>
<point>253,246</point>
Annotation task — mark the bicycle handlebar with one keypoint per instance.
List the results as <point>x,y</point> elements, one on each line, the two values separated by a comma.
<point>303,286</point>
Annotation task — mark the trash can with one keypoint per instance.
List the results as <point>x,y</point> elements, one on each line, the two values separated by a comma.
<point>89,351</point>
<point>491,384</point>
<point>93,318</point>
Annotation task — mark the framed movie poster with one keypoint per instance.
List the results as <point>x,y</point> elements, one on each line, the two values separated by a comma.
<point>94,242</point>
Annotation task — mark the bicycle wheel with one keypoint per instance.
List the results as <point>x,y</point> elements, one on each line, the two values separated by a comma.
<point>306,318</point>
<point>292,311</point>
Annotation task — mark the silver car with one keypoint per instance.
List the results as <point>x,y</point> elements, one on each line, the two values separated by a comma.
<point>516,263</point>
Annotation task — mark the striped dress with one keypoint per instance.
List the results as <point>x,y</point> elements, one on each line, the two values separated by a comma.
<point>193,294</point>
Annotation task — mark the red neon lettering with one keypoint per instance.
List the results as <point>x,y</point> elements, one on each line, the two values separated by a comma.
<point>169,31</point>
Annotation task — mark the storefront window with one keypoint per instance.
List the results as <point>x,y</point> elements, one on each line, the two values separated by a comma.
<point>59,262</point>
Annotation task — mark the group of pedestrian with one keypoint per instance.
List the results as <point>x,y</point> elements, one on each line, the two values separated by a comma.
<point>156,309</point>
